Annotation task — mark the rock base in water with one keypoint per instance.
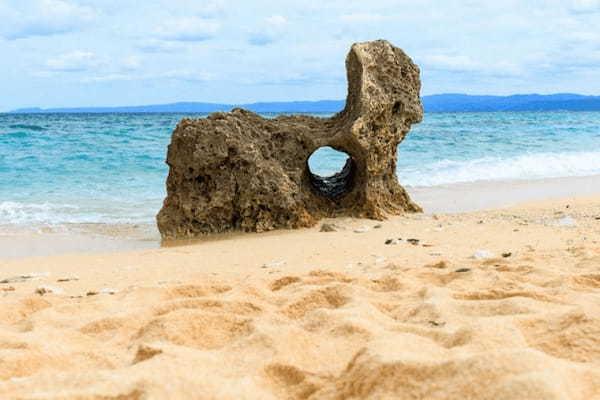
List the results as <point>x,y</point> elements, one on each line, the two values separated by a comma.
<point>238,171</point>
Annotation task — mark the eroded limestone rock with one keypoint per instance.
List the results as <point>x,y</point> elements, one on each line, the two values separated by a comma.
<point>238,171</point>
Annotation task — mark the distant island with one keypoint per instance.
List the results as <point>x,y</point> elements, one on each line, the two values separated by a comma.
<point>452,102</point>
<point>517,102</point>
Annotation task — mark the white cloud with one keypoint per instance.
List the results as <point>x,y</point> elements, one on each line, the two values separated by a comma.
<point>74,61</point>
<point>466,64</point>
<point>181,75</point>
<point>107,78</point>
<point>103,67</point>
<point>287,49</point>
<point>362,17</point>
<point>204,9</point>
<point>452,63</point>
<point>585,6</point>
<point>42,18</point>
<point>268,32</point>
<point>186,75</point>
<point>276,20</point>
<point>261,38</point>
<point>188,29</point>
<point>159,46</point>
<point>584,36</point>
<point>132,63</point>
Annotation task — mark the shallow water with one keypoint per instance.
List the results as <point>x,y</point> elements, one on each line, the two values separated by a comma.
<point>61,169</point>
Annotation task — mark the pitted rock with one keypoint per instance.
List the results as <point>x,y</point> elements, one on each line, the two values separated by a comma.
<point>238,171</point>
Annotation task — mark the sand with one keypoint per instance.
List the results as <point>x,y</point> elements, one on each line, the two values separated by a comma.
<point>485,195</point>
<point>501,304</point>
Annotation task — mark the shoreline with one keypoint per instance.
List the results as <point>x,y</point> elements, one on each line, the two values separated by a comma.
<point>18,242</point>
<point>544,214</point>
<point>491,195</point>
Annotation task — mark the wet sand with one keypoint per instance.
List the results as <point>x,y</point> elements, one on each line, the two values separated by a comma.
<point>22,242</point>
<point>479,196</point>
<point>18,242</point>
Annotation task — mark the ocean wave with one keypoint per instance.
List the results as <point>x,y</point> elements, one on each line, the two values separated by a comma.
<point>19,213</point>
<point>521,167</point>
<point>16,134</point>
<point>36,214</point>
<point>27,127</point>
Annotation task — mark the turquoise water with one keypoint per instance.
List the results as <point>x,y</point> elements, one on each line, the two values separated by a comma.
<point>79,168</point>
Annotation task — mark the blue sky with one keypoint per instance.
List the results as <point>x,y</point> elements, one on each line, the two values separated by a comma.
<point>126,52</point>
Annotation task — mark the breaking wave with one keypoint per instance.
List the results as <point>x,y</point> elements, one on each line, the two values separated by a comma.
<point>524,166</point>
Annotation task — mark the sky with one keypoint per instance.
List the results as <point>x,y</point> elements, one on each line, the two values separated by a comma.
<point>64,53</point>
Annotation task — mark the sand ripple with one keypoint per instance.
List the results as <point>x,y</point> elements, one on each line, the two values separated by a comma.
<point>321,335</point>
<point>417,326</point>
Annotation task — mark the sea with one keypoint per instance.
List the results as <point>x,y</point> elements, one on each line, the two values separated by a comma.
<point>61,170</point>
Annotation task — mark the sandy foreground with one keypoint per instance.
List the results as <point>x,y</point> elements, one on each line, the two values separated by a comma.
<point>500,304</point>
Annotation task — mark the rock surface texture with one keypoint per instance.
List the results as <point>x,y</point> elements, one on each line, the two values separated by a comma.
<point>238,171</point>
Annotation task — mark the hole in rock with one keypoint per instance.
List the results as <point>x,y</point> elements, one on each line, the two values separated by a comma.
<point>331,172</point>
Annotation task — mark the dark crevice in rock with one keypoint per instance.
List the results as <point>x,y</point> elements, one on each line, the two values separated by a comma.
<point>337,185</point>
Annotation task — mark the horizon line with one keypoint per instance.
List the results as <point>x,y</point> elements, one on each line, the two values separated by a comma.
<point>278,102</point>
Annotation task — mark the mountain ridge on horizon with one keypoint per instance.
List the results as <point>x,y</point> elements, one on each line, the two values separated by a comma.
<point>446,102</point>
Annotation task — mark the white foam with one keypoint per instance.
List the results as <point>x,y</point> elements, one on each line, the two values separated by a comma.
<point>40,214</point>
<point>526,166</point>
<point>21,213</point>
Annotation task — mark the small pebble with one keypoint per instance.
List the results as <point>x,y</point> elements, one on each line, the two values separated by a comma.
<point>439,265</point>
<point>378,226</point>
<point>328,228</point>
<point>392,241</point>
<point>506,255</point>
<point>483,255</point>
<point>463,270</point>
<point>42,290</point>
<point>414,242</point>
<point>567,221</point>
<point>361,229</point>
<point>26,277</point>
<point>91,293</point>
<point>108,291</point>
<point>274,264</point>
<point>68,279</point>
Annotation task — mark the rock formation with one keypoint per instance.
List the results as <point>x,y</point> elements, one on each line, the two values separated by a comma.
<point>238,171</point>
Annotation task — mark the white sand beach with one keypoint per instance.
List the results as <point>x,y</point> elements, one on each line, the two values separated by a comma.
<point>497,304</point>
